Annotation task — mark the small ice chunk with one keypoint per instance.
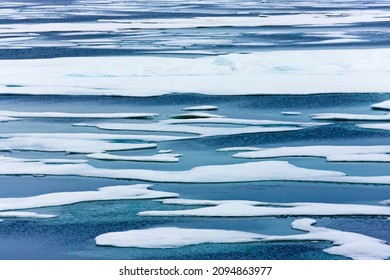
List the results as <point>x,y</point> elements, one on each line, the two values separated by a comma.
<point>196,115</point>
<point>13,114</point>
<point>291,113</point>
<point>19,214</point>
<point>385,105</point>
<point>350,117</point>
<point>201,108</point>
<point>164,151</point>
<point>162,157</point>
<point>382,126</point>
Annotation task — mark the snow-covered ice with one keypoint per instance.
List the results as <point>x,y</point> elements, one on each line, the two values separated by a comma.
<point>350,117</point>
<point>201,108</point>
<point>385,105</point>
<point>242,208</point>
<point>77,115</point>
<point>20,214</point>
<point>140,191</point>
<point>159,157</point>
<point>382,126</point>
<point>324,71</point>
<point>331,153</point>
<point>349,244</point>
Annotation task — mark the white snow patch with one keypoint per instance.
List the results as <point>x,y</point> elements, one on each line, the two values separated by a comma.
<point>359,158</point>
<point>140,191</point>
<point>196,115</point>
<point>7,119</point>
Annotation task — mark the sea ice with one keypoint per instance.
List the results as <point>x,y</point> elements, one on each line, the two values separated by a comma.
<point>349,244</point>
<point>159,157</point>
<point>350,117</point>
<point>201,108</point>
<point>385,105</point>
<point>77,115</point>
<point>242,208</point>
<point>383,126</point>
<point>139,191</point>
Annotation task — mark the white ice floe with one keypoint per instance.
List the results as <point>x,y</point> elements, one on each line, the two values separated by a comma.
<point>349,244</point>
<point>70,143</point>
<point>324,71</point>
<point>172,237</point>
<point>385,105</point>
<point>159,157</point>
<point>76,115</point>
<point>242,208</point>
<point>382,126</point>
<point>242,172</point>
<point>359,158</point>
<point>164,151</point>
<point>291,113</point>
<point>201,108</point>
<point>130,192</point>
<point>18,214</point>
<point>7,119</point>
<point>196,115</point>
<point>331,153</point>
<point>350,117</point>
<point>200,130</point>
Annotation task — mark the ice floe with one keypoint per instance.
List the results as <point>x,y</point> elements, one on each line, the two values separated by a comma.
<point>196,115</point>
<point>349,244</point>
<point>382,126</point>
<point>70,143</point>
<point>172,237</point>
<point>7,119</point>
<point>19,214</point>
<point>77,115</point>
<point>385,105</point>
<point>139,191</point>
<point>331,153</point>
<point>200,130</point>
<point>324,71</point>
<point>291,113</point>
<point>242,208</point>
<point>350,117</point>
<point>159,157</point>
<point>201,108</point>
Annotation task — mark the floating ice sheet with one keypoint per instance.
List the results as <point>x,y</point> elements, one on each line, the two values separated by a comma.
<point>324,71</point>
<point>242,172</point>
<point>76,115</point>
<point>385,105</point>
<point>140,191</point>
<point>349,244</point>
<point>159,157</point>
<point>350,117</point>
<point>201,108</point>
<point>382,126</point>
<point>242,208</point>
<point>72,143</point>
<point>331,153</point>
<point>19,214</point>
